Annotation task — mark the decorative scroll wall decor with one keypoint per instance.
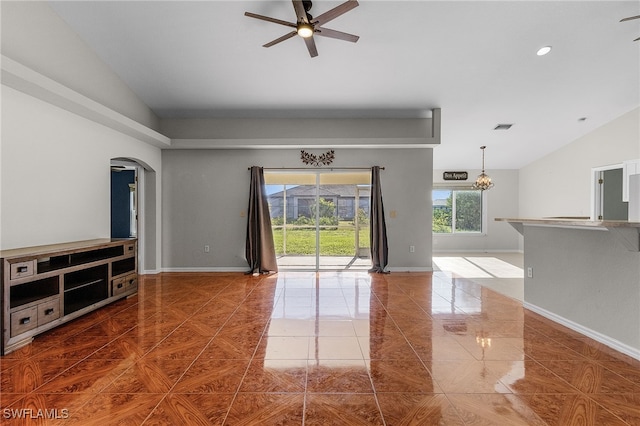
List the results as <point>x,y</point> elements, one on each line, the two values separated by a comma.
<point>323,160</point>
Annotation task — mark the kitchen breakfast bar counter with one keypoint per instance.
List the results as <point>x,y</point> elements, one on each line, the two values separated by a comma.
<point>585,275</point>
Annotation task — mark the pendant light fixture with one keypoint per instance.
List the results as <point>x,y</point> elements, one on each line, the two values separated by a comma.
<point>483,182</point>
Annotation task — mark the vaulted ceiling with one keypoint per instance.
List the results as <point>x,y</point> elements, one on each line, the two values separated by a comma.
<point>476,60</point>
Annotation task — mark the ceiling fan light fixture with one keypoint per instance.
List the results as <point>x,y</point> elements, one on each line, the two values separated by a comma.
<point>305,30</point>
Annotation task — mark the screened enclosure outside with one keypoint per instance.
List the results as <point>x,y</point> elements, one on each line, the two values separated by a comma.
<point>457,211</point>
<point>320,220</point>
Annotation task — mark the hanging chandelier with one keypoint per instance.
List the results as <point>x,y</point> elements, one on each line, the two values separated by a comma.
<point>483,182</point>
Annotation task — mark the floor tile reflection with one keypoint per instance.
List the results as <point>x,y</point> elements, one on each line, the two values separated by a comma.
<point>302,348</point>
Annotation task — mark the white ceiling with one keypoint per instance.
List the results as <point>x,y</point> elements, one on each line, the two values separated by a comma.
<point>476,60</point>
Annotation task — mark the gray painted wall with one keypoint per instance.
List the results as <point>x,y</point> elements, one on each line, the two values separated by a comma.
<point>587,277</point>
<point>205,197</point>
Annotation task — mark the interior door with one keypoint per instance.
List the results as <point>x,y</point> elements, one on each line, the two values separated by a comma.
<point>613,208</point>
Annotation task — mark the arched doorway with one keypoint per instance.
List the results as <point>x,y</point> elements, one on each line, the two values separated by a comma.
<point>134,212</point>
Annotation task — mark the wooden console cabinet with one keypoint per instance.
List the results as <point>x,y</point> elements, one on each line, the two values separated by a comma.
<point>46,286</point>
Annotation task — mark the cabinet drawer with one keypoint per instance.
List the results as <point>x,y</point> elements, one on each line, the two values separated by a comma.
<point>118,286</point>
<point>48,311</point>
<point>24,320</point>
<point>124,285</point>
<point>22,269</point>
<point>131,282</point>
<point>130,248</point>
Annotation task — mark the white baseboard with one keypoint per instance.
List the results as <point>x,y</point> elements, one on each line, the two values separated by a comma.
<point>444,251</point>
<point>207,269</point>
<point>410,269</point>
<point>599,337</point>
<point>243,269</point>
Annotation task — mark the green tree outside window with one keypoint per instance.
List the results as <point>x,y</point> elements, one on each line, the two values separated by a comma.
<point>461,211</point>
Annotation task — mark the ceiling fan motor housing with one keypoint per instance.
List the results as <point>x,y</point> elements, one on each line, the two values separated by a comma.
<point>307,7</point>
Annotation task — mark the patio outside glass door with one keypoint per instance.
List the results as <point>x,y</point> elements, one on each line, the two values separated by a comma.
<point>320,219</point>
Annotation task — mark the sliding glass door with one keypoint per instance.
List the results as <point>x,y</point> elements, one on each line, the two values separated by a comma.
<point>320,219</point>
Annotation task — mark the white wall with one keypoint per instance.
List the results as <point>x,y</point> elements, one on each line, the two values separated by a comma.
<point>500,201</point>
<point>205,193</point>
<point>55,172</point>
<point>35,36</point>
<point>560,183</point>
<point>54,180</point>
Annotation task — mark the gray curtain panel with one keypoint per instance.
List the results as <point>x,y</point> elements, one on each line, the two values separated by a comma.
<point>259,250</point>
<point>378,227</point>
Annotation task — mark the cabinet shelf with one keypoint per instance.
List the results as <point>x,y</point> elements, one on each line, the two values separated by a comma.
<point>55,263</point>
<point>85,277</point>
<point>81,285</point>
<point>23,294</point>
<point>85,295</point>
<point>125,266</point>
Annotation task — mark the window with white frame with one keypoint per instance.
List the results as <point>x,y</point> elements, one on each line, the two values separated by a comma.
<point>457,210</point>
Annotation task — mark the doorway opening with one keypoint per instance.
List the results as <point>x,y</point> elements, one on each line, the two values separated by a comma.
<point>124,201</point>
<point>320,219</point>
<point>139,205</point>
<point>607,194</point>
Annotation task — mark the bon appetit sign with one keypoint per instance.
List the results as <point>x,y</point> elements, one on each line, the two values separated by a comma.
<point>455,175</point>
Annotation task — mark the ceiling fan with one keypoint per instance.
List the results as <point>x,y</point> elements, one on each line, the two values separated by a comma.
<point>629,19</point>
<point>306,26</point>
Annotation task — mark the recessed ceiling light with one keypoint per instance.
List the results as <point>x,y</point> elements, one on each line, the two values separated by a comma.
<point>503,127</point>
<point>543,50</point>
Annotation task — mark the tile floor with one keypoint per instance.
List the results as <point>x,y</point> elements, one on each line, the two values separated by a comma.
<point>317,349</point>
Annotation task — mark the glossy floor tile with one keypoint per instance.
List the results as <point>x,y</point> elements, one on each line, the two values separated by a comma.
<point>305,348</point>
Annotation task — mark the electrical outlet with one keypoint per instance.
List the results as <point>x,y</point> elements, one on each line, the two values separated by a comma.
<point>529,272</point>
<point>206,249</point>
<point>412,249</point>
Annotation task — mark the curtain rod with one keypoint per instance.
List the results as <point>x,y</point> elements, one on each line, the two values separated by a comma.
<point>317,168</point>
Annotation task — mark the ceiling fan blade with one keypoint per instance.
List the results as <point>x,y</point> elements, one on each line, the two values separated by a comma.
<point>279,39</point>
<point>311,46</point>
<point>268,19</point>
<point>326,32</point>
<point>630,18</point>
<point>335,12</point>
<point>301,14</point>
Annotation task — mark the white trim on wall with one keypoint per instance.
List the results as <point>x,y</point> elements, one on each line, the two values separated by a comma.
<point>598,337</point>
